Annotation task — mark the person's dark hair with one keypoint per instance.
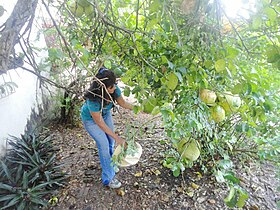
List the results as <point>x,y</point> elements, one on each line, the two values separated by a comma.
<point>94,93</point>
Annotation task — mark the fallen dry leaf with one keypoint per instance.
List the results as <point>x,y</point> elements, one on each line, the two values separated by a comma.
<point>199,175</point>
<point>120,192</point>
<point>194,186</point>
<point>156,172</point>
<point>211,201</point>
<point>138,174</point>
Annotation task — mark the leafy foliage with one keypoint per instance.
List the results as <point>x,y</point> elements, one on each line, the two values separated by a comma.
<point>130,149</point>
<point>166,54</point>
<point>28,173</point>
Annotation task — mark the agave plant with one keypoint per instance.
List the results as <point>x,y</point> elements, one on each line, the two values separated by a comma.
<point>29,172</point>
<point>21,192</point>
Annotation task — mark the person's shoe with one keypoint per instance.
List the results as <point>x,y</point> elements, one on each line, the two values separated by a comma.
<point>115,184</point>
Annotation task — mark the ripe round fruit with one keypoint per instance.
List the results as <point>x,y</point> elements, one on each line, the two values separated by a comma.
<point>76,9</point>
<point>218,113</point>
<point>89,10</point>
<point>207,96</point>
<point>83,3</point>
<point>189,149</point>
<point>229,102</point>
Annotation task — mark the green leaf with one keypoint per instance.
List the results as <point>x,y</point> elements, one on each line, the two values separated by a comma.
<point>156,110</point>
<point>247,88</point>
<point>22,205</point>
<point>176,172</point>
<point>270,13</point>
<point>179,76</point>
<point>7,187</point>
<point>219,176</point>
<point>267,106</point>
<point>6,170</point>
<point>232,67</point>
<point>126,91</point>
<point>237,88</point>
<point>232,52</point>
<point>230,177</point>
<point>166,26</point>
<point>136,109</point>
<point>220,65</point>
<point>107,63</point>
<point>19,173</point>
<point>164,60</point>
<point>25,180</point>
<point>257,22</point>
<point>225,164</point>
<point>7,197</point>
<point>31,159</point>
<point>183,70</point>
<point>13,202</point>
<point>243,196</point>
<point>51,160</point>
<point>39,201</point>
<point>273,54</point>
<point>231,199</point>
<point>170,65</point>
<point>172,81</point>
<point>208,64</point>
<point>154,6</point>
<point>40,186</point>
<point>36,176</point>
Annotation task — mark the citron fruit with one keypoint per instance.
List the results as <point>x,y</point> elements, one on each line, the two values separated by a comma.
<point>189,149</point>
<point>229,102</point>
<point>207,96</point>
<point>84,3</point>
<point>89,10</point>
<point>218,114</point>
<point>76,9</point>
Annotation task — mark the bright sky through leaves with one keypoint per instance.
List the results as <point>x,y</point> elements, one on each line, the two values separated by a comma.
<point>239,8</point>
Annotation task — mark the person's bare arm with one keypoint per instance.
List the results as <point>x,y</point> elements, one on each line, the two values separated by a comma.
<point>100,122</point>
<point>124,103</point>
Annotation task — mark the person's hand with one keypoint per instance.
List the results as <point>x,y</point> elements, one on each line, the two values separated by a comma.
<point>121,141</point>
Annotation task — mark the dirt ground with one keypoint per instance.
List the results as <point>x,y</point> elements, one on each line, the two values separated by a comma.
<point>148,185</point>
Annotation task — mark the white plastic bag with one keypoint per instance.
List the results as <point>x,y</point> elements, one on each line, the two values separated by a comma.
<point>128,159</point>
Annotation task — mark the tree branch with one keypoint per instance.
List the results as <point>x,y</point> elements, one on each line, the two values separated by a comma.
<point>22,13</point>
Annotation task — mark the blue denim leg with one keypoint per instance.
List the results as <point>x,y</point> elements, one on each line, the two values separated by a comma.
<point>109,122</point>
<point>105,145</point>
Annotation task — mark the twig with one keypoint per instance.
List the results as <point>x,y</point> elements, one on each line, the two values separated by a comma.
<point>103,18</point>
<point>235,30</point>
<point>58,30</point>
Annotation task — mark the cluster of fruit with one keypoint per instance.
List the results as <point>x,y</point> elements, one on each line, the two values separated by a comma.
<point>221,104</point>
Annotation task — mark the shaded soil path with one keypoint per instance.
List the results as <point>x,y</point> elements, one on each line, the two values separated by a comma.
<point>148,185</point>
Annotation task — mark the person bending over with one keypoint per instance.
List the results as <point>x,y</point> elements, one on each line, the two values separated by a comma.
<point>97,120</point>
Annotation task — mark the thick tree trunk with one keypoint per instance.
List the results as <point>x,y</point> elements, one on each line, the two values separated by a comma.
<point>22,14</point>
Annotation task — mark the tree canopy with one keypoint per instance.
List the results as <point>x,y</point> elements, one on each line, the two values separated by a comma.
<point>175,57</point>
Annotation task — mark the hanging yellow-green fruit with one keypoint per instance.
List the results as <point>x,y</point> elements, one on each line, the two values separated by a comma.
<point>76,9</point>
<point>229,102</point>
<point>89,10</point>
<point>217,113</point>
<point>208,96</point>
<point>189,149</point>
<point>84,3</point>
